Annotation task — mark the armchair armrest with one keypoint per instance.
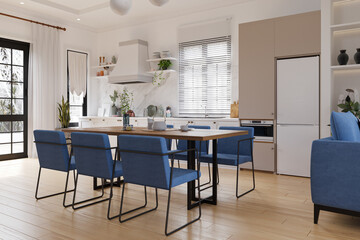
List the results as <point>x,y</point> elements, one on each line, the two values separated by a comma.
<point>335,173</point>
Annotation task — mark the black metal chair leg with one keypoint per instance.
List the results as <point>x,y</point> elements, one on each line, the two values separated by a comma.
<point>51,195</point>
<point>186,224</point>
<point>66,184</point>
<point>109,206</point>
<point>237,181</point>
<point>316,213</point>
<point>87,200</point>
<point>135,209</point>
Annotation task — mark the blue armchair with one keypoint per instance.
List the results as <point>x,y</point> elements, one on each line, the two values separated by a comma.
<point>335,168</point>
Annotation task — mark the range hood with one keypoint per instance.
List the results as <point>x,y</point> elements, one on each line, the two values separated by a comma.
<point>131,65</point>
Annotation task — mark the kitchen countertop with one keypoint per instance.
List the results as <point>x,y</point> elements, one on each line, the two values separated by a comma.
<point>171,118</point>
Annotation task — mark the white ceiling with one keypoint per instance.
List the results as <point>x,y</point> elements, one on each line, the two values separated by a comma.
<point>97,15</point>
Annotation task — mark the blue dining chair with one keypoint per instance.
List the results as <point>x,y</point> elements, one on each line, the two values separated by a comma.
<point>146,163</point>
<point>94,159</point>
<point>203,148</point>
<point>53,154</point>
<point>234,151</point>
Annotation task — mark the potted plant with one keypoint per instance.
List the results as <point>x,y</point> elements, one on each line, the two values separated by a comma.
<point>113,99</point>
<point>64,113</point>
<point>350,106</point>
<point>126,100</point>
<point>159,77</point>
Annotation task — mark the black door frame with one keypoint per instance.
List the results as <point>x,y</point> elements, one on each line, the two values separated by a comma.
<point>13,44</point>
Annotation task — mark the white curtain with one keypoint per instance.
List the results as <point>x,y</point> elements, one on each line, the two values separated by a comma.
<point>77,72</point>
<point>44,80</point>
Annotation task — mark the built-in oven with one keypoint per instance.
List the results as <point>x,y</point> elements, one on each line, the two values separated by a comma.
<point>263,129</point>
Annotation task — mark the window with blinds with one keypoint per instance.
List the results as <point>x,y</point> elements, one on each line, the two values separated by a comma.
<point>205,77</point>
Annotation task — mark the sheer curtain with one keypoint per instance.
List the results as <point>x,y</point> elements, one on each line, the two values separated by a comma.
<point>77,63</point>
<point>44,80</point>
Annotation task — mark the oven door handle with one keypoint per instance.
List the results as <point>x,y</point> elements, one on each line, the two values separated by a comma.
<point>256,125</point>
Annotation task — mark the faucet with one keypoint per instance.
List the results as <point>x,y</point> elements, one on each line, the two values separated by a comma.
<point>206,115</point>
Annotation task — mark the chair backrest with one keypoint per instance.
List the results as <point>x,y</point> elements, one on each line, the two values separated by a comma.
<point>52,150</point>
<point>145,169</point>
<point>182,144</point>
<point>92,154</point>
<point>230,145</point>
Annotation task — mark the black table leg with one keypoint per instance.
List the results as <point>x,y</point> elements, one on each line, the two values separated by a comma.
<point>215,172</point>
<point>191,165</point>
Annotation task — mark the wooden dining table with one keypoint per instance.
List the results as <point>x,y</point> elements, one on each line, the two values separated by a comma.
<point>190,136</point>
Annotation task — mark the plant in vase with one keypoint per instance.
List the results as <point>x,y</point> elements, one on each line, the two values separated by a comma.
<point>159,77</point>
<point>349,105</point>
<point>64,113</point>
<point>113,99</point>
<point>126,100</point>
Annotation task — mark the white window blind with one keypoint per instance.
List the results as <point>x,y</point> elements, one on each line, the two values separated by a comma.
<point>205,77</point>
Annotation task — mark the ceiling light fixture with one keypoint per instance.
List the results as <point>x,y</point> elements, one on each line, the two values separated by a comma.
<point>78,19</point>
<point>120,6</point>
<point>22,3</point>
<point>158,3</point>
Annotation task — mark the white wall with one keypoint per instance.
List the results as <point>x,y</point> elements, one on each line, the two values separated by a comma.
<point>162,35</point>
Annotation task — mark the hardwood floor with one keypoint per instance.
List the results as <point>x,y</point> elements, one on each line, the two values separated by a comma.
<point>279,208</point>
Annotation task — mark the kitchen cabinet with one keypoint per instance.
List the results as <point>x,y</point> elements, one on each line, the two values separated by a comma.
<point>138,122</point>
<point>257,70</point>
<point>298,34</point>
<point>264,157</point>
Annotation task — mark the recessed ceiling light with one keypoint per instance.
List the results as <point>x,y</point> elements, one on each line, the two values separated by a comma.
<point>78,19</point>
<point>22,3</point>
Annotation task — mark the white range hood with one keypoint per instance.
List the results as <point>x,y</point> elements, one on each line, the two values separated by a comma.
<point>131,65</point>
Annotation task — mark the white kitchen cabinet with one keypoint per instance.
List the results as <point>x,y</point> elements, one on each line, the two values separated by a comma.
<point>264,157</point>
<point>232,123</point>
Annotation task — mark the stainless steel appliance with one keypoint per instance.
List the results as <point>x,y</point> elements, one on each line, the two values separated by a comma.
<point>263,129</point>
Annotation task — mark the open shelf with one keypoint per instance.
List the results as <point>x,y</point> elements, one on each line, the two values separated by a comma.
<point>345,67</point>
<point>105,66</point>
<point>164,71</point>
<point>102,77</point>
<point>159,59</point>
<point>345,26</point>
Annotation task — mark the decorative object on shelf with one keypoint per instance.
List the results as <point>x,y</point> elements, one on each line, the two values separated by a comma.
<point>121,7</point>
<point>158,3</point>
<point>350,103</point>
<point>113,60</point>
<point>357,56</point>
<point>156,55</point>
<point>64,113</point>
<point>165,54</point>
<point>131,113</point>
<point>151,109</point>
<point>168,111</point>
<point>126,100</point>
<point>234,112</point>
<point>343,58</point>
<point>113,99</point>
<point>160,111</point>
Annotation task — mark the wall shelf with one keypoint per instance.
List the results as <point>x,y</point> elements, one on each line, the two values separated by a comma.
<point>102,77</point>
<point>345,67</point>
<point>164,71</point>
<point>105,66</point>
<point>159,59</point>
<point>345,27</point>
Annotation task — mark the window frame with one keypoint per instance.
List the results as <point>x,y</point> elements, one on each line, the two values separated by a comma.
<point>84,106</point>
<point>205,62</point>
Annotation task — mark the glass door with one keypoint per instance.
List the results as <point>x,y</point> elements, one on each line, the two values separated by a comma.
<point>14,57</point>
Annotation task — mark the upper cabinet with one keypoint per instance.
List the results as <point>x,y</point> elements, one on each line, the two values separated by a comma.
<point>256,70</point>
<point>298,35</point>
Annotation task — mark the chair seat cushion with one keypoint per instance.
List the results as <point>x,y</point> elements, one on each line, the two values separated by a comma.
<point>226,159</point>
<point>183,155</point>
<point>118,169</point>
<point>345,127</point>
<point>181,176</point>
<point>72,163</point>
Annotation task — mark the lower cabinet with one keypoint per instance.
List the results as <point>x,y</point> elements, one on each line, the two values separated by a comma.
<point>264,157</point>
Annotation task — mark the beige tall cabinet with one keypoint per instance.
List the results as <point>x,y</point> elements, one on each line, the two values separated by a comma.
<point>256,70</point>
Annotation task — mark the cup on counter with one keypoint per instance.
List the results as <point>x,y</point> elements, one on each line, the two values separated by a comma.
<point>150,123</point>
<point>184,127</point>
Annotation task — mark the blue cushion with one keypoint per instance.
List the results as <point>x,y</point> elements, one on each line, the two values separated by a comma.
<point>226,159</point>
<point>72,163</point>
<point>181,176</point>
<point>52,156</point>
<point>344,127</point>
<point>90,160</point>
<point>118,169</point>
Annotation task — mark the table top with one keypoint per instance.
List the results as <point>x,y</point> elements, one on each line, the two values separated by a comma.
<point>194,134</point>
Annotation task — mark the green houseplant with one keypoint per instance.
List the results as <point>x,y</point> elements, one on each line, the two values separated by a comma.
<point>64,113</point>
<point>350,106</point>
<point>126,100</point>
<point>160,76</point>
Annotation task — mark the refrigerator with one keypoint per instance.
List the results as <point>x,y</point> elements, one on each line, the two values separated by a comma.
<point>298,81</point>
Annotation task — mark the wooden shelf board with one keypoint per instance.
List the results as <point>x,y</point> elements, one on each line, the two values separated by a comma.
<point>345,67</point>
<point>164,71</point>
<point>103,66</point>
<point>345,26</point>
